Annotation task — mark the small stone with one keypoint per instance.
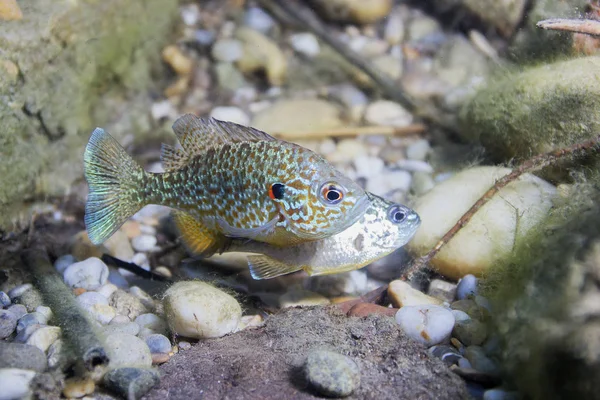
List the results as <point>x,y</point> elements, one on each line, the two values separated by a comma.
<point>107,290</point>
<point>89,274</point>
<point>227,50</point>
<point>460,315</point>
<point>250,321</point>
<point>24,335</point>
<point>180,63</point>
<point>402,294</point>
<point>130,328</point>
<point>127,350</point>
<point>387,113</point>
<point>115,277</point>
<point>144,243</point>
<point>368,166</point>
<point>480,361</point>
<point>228,77</point>
<point>467,287</point>
<point>345,283</point>
<point>22,356</point>
<point>31,319</point>
<point>446,353</point>
<point>362,310</point>
<point>43,337</point>
<point>422,182</point>
<point>18,310</point>
<point>331,374</point>
<point>158,343</point>
<point>152,322</point>
<point>470,332</point>
<point>442,290</point>
<point>127,304</point>
<point>76,387</point>
<point>131,383</point>
<point>120,319</point>
<point>18,291</point>
<point>305,43</point>
<point>418,150</point>
<point>31,299</point>
<point>261,54</point>
<point>15,383</point>
<point>393,32</point>
<point>57,356</point>
<point>163,271</point>
<point>97,306</point>
<point>301,297</point>
<point>347,150</point>
<point>8,323</point>
<point>256,18</point>
<point>427,324</point>
<point>415,166</point>
<point>88,299</point>
<point>198,310</point>
<point>230,114</point>
<point>183,345</point>
<point>4,300</point>
<point>144,297</point>
<point>118,246</point>
<point>283,116</point>
<point>483,302</point>
<point>500,394</point>
<point>10,11</point>
<point>141,259</point>
<point>464,363</point>
<point>204,37</point>
<point>160,358</point>
<point>63,262</point>
<point>46,311</point>
<point>471,308</point>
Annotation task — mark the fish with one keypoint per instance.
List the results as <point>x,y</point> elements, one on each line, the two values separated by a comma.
<point>225,181</point>
<point>383,228</point>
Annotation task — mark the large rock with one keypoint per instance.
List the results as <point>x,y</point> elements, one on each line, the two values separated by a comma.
<point>56,65</point>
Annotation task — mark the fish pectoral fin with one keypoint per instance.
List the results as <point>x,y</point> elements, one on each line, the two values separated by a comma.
<point>265,267</point>
<point>198,239</point>
<point>248,233</point>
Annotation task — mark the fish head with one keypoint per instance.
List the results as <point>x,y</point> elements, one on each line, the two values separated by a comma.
<point>320,201</point>
<point>389,225</point>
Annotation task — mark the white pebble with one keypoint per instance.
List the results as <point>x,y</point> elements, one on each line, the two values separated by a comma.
<point>19,290</point>
<point>190,14</point>
<point>427,324</point>
<point>45,311</point>
<point>63,262</point>
<point>387,113</point>
<point>88,274</point>
<point>43,337</point>
<point>15,383</point>
<point>144,243</point>
<point>107,289</point>
<point>152,322</point>
<point>89,299</point>
<point>418,150</point>
<point>258,19</point>
<point>305,43</point>
<point>127,350</point>
<point>141,260</point>
<point>230,114</point>
<point>460,316</point>
<point>198,310</point>
<point>368,166</point>
<point>162,109</point>
<point>327,146</point>
<point>467,286</point>
<point>227,50</point>
<point>393,32</point>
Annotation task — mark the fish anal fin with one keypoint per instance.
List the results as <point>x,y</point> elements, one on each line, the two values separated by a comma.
<point>265,267</point>
<point>196,135</point>
<point>173,158</point>
<point>198,239</point>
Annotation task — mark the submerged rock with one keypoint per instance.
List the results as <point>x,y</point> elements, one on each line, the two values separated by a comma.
<point>131,383</point>
<point>331,374</point>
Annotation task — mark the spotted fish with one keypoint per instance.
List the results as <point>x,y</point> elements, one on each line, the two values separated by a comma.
<point>383,228</point>
<point>226,181</point>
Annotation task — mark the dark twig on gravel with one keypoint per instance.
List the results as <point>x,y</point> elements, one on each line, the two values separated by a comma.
<point>76,329</point>
<point>586,26</point>
<point>131,267</point>
<point>391,89</point>
<point>535,163</point>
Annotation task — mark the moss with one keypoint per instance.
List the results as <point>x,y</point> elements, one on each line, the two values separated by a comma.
<point>69,55</point>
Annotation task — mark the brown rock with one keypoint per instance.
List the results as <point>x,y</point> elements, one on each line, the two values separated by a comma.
<point>160,358</point>
<point>10,11</point>
<point>366,309</point>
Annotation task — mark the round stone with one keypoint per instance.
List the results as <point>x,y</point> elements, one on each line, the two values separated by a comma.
<point>43,337</point>
<point>19,290</point>
<point>427,324</point>
<point>130,328</point>
<point>387,113</point>
<point>31,319</point>
<point>8,323</point>
<point>467,287</point>
<point>305,43</point>
<point>331,374</point>
<point>470,332</point>
<point>131,382</point>
<point>15,383</point>
<point>23,356</point>
<point>127,350</point>
<point>227,50</point>
<point>18,310</point>
<point>89,274</point>
<point>4,300</point>
<point>158,343</point>
<point>63,262</point>
<point>257,19</point>
<point>144,243</point>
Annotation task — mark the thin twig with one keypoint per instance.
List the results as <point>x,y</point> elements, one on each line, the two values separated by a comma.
<point>390,88</point>
<point>586,26</point>
<point>535,163</point>
<point>131,267</point>
<point>353,131</point>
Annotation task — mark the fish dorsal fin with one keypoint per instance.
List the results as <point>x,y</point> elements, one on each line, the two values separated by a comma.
<point>265,267</point>
<point>173,158</point>
<point>196,135</point>
<point>198,239</point>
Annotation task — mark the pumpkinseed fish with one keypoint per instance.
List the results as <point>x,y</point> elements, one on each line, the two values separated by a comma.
<point>226,181</point>
<point>383,228</point>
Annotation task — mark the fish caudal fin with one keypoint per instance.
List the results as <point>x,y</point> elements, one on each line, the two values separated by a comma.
<point>265,267</point>
<point>115,181</point>
<point>198,239</point>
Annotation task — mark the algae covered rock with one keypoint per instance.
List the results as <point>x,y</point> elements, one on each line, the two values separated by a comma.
<point>546,302</point>
<point>536,110</point>
<point>56,66</point>
<point>492,232</point>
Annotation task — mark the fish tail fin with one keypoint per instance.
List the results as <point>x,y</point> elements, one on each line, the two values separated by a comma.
<point>115,181</point>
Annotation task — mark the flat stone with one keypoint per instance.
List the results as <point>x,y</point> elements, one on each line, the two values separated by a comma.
<point>22,356</point>
<point>43,337</point>
<point>331,374</point>
<point>19,290</point>
<point>131,383</point>
<point>8,323</point>
<point>443,290</point>
<point>127,350</point>
<point>427,324</point>
<point>402,294</point>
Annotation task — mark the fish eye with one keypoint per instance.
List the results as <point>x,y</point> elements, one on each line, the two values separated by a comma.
<point>332,193</point>
<point>396,214</point>
<point>277,191</point>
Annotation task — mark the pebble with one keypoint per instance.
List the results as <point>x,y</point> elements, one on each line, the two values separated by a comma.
<point>89,274</point>
<point>160,358</point>
<point>480,361</point>
<point>231,114</point>
<point>227,50</point>
<point>22,356</point>
<point>56,354</point>
<point>31,299</point>
<point>470,332</point>
<point>18,310</point>
<point>163,271</point>
<point>347,150</point>
<point>301,297</point>
<point>365,309</point>
<point>446,353</point>
<point>31,319</point>
<point>467,287</point>
<point>97,306</point>
<point>418,150</point>
<point>4,300</point>
<point>115,277</point>
<point>346,283</point>
<point>130,328</point>
<point>283,116</point>
<point>127,350</point>
<point>120,319</point>
<point>483,302</point>
<point>8,323</point>
<point>460,315</point>
<point>305,43</point>
<point>158,110</point>
<point>46,311</point>
<point>144,297</point>
<point>15,383</point>
<point>127,304</point>
<point>43,337</point>
<point>368,166</point>
<point>144,243</point>
<point>500,394</point>
<point>257,19</point>
<point>76,387</point>
<point>389,181</point>
<point>387,113</point>
<point>331,374</point>
<point>89,299</point>
<point>19,290</point>
<point>107,290</point>
<point>131,383</point>
<point>63,262</point>
<point>24,335</point>
<point>427,324</point>
<point>140,259</point>
<point>261,53</point>
<point>183,345</point>
<point>402,294</point>
<point>158,343</point>
<point>442,290</point>
<point>180,63</point>
<point>198,310</point>
<point>464,363</point>
<point>422,182</point>
<point>393,32</point>
<point>152,322</point>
